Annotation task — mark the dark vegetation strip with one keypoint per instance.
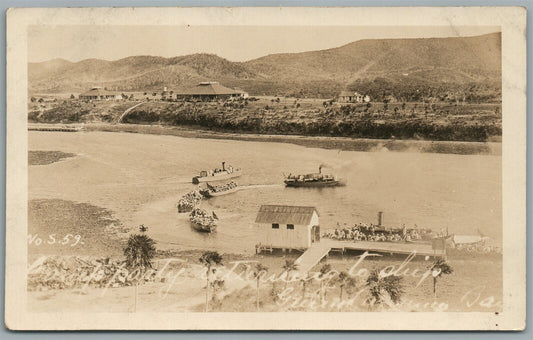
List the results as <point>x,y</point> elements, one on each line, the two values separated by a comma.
<point>363,126</point>
<point>56,222</point>
<point>47,157</point>
<point>336,143</point>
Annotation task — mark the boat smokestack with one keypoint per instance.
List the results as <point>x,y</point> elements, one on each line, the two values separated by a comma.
<point>320,169</point>
<point>380,218</point>
<point>223,166</point>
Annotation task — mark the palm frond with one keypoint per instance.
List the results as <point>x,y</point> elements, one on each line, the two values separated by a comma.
<point>378,286</point>
<point>210,258</point>
<point>441,266</point>
<point>139,251</point>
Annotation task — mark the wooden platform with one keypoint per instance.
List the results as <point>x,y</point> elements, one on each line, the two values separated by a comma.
<point>319,250</point>
<point>52,127</point>
<point>422,249</point>
<point>312,256</point>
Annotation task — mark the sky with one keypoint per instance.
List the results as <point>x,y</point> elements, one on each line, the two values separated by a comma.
<point>235,43</point>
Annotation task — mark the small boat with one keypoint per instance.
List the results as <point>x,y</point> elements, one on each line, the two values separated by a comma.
<point>189,201</point>
<point>317,180</point>
<point>217,174</point>
<point>218,190</point>
<point>202,221</point>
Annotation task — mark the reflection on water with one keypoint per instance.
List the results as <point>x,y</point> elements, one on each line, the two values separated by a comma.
<point>141,177</point>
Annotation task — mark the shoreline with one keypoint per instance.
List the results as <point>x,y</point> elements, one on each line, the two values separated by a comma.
<point>323,142</point>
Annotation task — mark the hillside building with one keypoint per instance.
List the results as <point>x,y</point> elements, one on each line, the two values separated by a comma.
<point>346,97</point>
<point>288,227</point>
<point>210,90</point>
<point>353,97</point>
<point>97,93</point>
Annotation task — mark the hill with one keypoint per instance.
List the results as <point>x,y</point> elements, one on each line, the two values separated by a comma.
<point>466,59</point>
<point>131,73</point>
<point>421,63</point>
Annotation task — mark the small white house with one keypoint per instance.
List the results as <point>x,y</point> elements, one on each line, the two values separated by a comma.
<point>346,97</point>
<point>353,97</point>
<point>288,227</point>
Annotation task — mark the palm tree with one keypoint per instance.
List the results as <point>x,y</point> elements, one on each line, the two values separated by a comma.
<point>289,267</point>
<point>139,252</point>
<point>439,267</point>
<point>378,286</point>
<point>258,271</point>
<point>344,280</point>
<point>324,270</point>
<point>209,259</point>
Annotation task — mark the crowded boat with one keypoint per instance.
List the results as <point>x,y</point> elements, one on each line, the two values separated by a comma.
<point>376,233</point>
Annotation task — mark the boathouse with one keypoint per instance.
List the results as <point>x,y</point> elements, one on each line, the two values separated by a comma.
<point>97,93</point>
<point>210,90</point>
<point>287,227</point>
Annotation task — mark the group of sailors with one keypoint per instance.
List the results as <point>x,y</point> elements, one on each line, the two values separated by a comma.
<point>202,217</point>
<point>364,232</point>
<point>222,187</point>
<point>310,177</point>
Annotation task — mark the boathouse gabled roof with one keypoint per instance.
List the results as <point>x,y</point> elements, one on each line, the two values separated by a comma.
<point>285,214</point>
<point>98,91</point>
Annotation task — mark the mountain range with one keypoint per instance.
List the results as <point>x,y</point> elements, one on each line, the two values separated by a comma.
<point>460,60</point>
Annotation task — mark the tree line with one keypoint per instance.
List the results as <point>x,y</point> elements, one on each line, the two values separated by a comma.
<point>363,126</point>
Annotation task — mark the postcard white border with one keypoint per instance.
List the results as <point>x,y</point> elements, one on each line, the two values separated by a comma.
<point>512,21</point>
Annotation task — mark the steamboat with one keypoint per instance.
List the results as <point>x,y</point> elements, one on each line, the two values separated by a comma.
<point>217,174</point>
<point>316,180</point>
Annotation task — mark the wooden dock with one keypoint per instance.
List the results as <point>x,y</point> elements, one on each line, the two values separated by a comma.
<point>54,128</point>
<point>319,250</point>
<point>312,256</point>
<point>391,248</point>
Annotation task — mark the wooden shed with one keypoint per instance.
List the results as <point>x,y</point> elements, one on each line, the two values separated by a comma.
<point>288,227</point>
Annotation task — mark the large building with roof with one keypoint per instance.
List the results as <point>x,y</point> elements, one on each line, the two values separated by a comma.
<point>98,93</point>
<point>288,227</point>
<point>210,90</point>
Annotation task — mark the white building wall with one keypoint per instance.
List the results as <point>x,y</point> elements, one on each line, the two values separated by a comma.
<point>299,237</point>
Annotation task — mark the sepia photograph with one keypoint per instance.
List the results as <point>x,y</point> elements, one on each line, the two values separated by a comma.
<point>274,171</point>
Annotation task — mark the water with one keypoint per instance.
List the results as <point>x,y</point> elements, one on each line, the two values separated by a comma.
<point>141,177</point>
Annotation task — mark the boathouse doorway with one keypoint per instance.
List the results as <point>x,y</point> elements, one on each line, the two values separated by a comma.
<point>315,234</point>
